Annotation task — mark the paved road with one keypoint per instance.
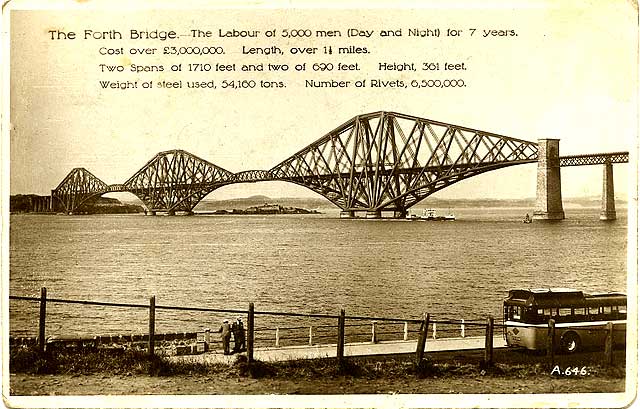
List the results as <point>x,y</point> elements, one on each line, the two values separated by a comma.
<point>355,349</point>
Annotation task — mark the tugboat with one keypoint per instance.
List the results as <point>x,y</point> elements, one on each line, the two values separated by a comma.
<point>430,215</point>
<point>527,219</point>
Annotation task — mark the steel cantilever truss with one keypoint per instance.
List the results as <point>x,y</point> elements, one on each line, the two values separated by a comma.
<point>383,161</point>
<point>388,161</point>
<point>77,188</point>
<point>176,181</point>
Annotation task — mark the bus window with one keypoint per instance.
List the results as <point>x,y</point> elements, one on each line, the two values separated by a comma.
<point>544,313</point>
<point>516,313</point>
<point>510,311</point>
<point>563,312</point>
<point>593,311</point>
<point>607,310</point>
<point>622,309</point>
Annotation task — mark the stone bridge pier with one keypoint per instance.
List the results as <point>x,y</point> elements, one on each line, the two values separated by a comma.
<point>548,186</point>
<point>548,189</point>
<point>41,204</point>
<point>608,211</point>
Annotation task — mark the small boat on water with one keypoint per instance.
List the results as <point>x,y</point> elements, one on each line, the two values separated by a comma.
<point>527,219</point>
<point>431,215</point>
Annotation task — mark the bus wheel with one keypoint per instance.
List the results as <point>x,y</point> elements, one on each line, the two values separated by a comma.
<point>570,342</point>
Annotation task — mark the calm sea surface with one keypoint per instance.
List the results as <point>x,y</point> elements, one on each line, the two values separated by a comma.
<point>299,263</point>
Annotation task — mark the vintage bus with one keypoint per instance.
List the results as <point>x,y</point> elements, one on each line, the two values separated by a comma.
<point>580,319</point>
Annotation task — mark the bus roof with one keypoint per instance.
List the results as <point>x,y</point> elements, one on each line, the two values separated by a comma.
<point>562,297</point>
<point>553,290</point>
<point>606,299</point>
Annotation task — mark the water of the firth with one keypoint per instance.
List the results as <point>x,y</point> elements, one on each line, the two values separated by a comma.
<point>308,264</point>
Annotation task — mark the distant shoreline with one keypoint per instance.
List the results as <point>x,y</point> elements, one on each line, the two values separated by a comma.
<point>23,204</point>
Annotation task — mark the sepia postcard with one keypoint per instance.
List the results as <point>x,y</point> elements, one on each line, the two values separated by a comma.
<point>320,204</point>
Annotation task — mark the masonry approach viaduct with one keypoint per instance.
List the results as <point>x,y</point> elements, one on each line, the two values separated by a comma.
<point>373,163</point>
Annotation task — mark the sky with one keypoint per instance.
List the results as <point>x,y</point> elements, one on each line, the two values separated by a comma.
<point>570,73</point>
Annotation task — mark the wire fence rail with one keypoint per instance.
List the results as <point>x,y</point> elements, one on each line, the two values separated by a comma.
<point>376,329</point>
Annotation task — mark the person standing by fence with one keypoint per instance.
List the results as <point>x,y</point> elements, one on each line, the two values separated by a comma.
<point>225,335</point>
<point>238,335</point>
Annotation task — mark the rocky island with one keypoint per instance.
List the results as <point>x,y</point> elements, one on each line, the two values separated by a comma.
<point>267,209</point>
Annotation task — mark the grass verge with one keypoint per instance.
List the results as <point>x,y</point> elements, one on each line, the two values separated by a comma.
<point>129,361</point>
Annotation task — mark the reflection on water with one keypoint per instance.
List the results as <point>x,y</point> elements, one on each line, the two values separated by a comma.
<point>311,264</point>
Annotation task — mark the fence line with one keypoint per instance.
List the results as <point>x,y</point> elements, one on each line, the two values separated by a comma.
<point>464,324</point>
<point>236,311</point>
<point>377,325</point>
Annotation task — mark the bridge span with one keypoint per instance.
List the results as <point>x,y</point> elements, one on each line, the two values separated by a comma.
<point>373,163</point>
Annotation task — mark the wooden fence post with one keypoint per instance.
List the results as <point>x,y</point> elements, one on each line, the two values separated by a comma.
<point>250,330</point>
<point>374,338</point>
<point>422,339</point>
<point>462,328</point>
<point>43,315</point>
<point>406,331</point>
<point>434,330</point>
<point>310,335</point>
<point>277,337</point>
<point>551,342</point>
<point>608,345</point>
<point>340,350</point>
<point>152,323</point>
<point>488,343</point>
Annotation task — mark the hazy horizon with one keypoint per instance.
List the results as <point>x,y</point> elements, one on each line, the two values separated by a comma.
<point>126,196</point>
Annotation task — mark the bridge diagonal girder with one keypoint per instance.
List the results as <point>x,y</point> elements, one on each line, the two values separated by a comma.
<point>176,180</point>
<point>77,187</point>
<point>389,161</point>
